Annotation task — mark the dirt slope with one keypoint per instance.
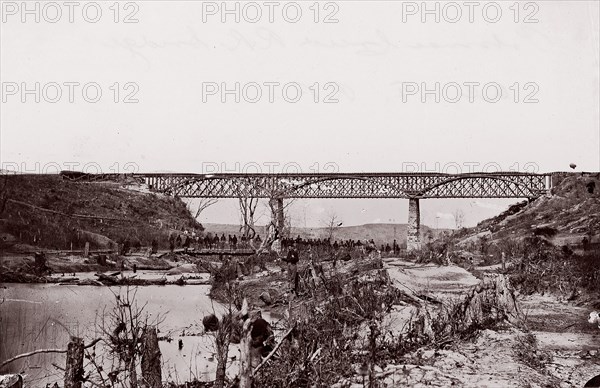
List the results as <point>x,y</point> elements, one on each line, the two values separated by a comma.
<point>569,216</point>
<point>47,211</point>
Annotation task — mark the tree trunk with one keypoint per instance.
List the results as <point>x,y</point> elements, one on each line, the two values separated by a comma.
<point>222,340</point>
<point>245,356</point>
<point>133,383</point>
<point>74,367</point>
<point>221,369</point>
<point>151,372</point>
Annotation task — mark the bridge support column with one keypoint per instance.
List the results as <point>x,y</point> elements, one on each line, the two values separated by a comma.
<point>277,215</point>
<point>413,238</point>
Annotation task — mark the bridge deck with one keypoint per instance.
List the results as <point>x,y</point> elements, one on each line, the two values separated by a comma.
<point>352,185</point>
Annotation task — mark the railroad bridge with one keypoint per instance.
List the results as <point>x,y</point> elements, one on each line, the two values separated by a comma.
<point>411,186</point>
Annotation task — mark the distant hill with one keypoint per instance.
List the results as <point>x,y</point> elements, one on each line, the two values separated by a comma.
<point>50,211</point>
<point>569,216</point>
<point>380,233</point>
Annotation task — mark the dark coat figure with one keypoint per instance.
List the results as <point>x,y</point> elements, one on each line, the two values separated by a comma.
<point>154,246</point>
<point>292,256</point>
<point>186,244</point>
<point>234,241</point>
<point>126,247</point>
<point>261,340</point>
<point>292,260</point>
<point>171,243</point>
<point>178,240</point>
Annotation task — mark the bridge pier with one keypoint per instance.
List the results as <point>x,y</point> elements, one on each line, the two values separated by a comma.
<point>277,216</point>
<point>413,237</point>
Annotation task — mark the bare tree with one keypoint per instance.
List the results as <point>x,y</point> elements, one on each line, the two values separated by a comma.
<point>331,224</point>
<point>287,222</point>
<point>247,211</point>
<point>248,201</point>
<point>203,204</point>
<point>459,218</point>
<point>124,328</point>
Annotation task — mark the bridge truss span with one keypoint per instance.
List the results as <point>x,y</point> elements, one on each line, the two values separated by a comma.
<point>352,185</point>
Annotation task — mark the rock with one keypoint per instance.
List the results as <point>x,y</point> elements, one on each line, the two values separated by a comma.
<point>11,381</point>
<point>210,322</point>
<point>266,298</point>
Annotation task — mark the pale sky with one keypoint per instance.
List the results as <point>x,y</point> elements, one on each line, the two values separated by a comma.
<point>365,59</point>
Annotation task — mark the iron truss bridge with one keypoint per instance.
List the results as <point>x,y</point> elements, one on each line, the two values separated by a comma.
<point>352,185</point>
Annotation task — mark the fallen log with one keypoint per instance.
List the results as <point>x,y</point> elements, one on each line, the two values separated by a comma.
<point>111,280</point>
<point>40,351</point>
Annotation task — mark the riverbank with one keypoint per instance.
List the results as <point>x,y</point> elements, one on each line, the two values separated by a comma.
<point>42,316</point>
<point>366,310</point>
<point>553,345</point>
<point>135,270</point>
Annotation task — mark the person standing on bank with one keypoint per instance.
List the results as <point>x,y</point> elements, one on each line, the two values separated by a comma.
<point>292,260</point>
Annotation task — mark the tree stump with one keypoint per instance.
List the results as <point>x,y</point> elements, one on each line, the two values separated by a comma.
<point>151,372</point>
<point>74,367</point>
<point>246,356</point>
<point>222,340</point>
<point>492,299</point>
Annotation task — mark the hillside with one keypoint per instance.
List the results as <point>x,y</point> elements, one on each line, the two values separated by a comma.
<point>380,233</point>
<point>570,216</point>
<point>49,211</point>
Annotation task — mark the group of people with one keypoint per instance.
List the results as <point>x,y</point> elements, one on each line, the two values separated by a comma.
<point>210,241</point>
<point>368,245</point>
<point>231,242</point>
<point>313,248</point>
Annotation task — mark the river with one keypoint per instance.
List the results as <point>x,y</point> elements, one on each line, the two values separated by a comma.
<point>40,316</point>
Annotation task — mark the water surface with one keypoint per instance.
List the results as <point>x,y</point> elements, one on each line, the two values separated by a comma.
<point>40,316</point>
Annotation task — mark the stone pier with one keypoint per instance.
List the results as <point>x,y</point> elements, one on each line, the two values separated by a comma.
<point>277,214</point>
<point>413,238</point>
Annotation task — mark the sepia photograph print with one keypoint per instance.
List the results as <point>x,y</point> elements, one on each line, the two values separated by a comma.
<point>303,194</point>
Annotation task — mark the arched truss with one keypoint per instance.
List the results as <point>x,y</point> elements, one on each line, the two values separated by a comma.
<point>350,185</point>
